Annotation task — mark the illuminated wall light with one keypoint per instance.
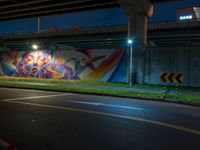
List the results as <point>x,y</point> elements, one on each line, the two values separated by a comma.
<point>34,46</point>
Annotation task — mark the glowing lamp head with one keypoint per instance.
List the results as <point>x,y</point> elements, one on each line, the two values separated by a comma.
<point>34,46</point>
<point>130,41</point>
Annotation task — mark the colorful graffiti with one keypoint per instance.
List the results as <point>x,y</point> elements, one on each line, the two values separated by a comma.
<point>75,64</point>
<point>41,64</point>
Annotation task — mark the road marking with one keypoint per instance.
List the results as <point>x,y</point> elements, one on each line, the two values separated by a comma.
<point>189,130</point>
<point>107,105</point>
<point>36,97</point>
<point>29,90</point>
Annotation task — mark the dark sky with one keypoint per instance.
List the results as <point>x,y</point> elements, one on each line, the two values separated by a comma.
<point>114,16</point>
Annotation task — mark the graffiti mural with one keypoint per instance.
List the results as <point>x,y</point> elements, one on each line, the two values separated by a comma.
<point>78,64</point>
<point>41,64</point>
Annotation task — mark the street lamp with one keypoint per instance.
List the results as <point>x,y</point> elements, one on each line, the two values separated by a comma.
<point>34,46</point>
<point>130,43</point>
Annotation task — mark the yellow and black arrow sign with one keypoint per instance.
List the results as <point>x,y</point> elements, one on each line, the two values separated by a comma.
<point>171,77</point>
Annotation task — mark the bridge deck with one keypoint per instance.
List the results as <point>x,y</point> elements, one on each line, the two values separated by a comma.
<point>165,33</point>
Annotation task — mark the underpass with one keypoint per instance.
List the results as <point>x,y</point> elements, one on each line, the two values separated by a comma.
<point>173,44</point>
<point>33,119</point>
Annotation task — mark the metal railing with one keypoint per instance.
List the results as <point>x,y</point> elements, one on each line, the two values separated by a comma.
<point>175,24</point>
<point>112,28</point>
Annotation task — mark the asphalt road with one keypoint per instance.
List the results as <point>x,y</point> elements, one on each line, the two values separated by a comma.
<point>42,120</point>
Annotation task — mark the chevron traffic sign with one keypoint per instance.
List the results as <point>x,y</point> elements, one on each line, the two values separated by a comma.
<point>171,77</point>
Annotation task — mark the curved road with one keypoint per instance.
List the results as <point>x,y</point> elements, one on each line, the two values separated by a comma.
<point>42,120</point>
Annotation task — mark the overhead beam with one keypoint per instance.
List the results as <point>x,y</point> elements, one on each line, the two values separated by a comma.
<point>65,4</point>
<point>23,4</point>
<point>56,11</point>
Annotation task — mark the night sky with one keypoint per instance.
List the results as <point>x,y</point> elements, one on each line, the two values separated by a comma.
<point>114,16</point>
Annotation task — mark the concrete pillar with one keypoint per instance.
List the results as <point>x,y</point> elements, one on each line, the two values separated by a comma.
<point>137,30</point>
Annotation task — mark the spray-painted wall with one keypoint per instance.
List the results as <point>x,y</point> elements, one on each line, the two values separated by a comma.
<point>103,64</point>
<point>184,60</point>
<point>100,64</point>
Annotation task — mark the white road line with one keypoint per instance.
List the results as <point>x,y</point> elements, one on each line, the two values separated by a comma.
<point>107,105</point>
<point>166,125</point>
<point>35,97</point>
<point>86,103</point>
<point>29,90</point>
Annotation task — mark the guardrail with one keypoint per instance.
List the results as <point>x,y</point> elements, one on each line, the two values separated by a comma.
<point>120,27</point>
<point>175,24</point>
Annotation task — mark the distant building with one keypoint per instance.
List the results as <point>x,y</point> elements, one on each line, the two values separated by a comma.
<point>191,13</point>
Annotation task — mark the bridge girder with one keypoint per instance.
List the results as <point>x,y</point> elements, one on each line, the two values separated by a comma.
<point>15,9</point>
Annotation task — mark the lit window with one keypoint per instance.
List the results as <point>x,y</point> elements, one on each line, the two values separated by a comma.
<point>185,17</point>
<point>190,17</point>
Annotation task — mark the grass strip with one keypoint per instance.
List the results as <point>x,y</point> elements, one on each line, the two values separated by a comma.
<point>60,85</point>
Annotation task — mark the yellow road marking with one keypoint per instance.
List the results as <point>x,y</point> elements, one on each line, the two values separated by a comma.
<point>189,130</point>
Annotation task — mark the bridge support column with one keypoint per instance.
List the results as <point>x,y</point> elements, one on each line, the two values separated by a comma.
<point>137,31</point>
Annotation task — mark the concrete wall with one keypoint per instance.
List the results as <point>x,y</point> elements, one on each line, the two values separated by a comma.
<point>184,60</point>
<point>105,64</point>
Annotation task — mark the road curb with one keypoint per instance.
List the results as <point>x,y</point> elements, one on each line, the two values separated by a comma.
<point>103,94</point>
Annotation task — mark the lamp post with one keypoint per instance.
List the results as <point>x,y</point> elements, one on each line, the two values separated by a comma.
<point>130,43</point>
<point>38,19</point>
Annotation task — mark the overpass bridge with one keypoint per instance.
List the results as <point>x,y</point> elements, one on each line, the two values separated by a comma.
<point>179,33</point>
<point>136,10</point>
<point>15,9</point>
<point>175,48</point>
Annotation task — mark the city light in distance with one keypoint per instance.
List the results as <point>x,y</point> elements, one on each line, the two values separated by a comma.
<point>185,17</point>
